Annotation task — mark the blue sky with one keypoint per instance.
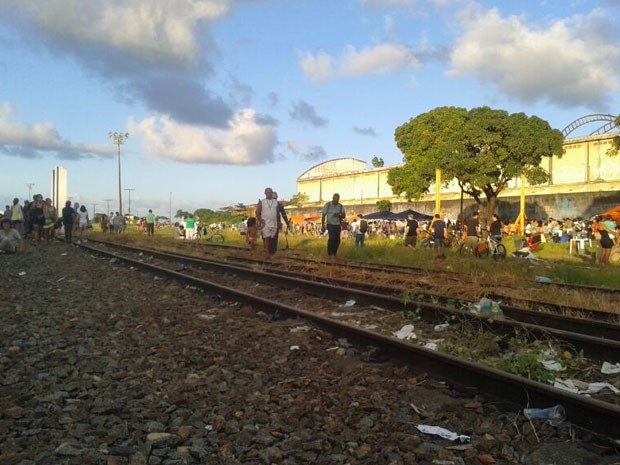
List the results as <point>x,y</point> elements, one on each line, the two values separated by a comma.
<point>222,98</point>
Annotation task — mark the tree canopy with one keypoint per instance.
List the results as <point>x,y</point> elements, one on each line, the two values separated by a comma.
<point>483,149</point>
<point>384,205</point>
<point>377,162</point>
<point>299,199</point>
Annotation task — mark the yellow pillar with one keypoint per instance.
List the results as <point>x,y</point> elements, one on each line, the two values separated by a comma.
<point>438,190</point>
<point>522,207</point>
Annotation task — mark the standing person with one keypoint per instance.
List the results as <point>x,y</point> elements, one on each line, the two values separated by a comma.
<point>334,213</point>
<point>361,230</point>
<point>150,223</point>
<point>10,240</point>
<point>267,219</point>
<point>495,228</point>
<point>49,211</point>
<point>438,229</point>
<point>280,215</point>
<point>82,222</point>
<point>606,242</point>
<point>472,229</point>
<point>7,212</point>
<point>411,231</point>
<point>17,216</point>
<point>252,233</point>
<point>37,217</point>
<point>67,221</point>
<point>190,224</point>
<point>243,227</point>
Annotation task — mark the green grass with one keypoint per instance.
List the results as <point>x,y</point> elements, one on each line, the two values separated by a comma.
<point>556,263</point>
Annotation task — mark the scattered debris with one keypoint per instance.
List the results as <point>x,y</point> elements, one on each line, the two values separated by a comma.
<point>443,433</point>
<point>406,333</point>
<point>552,415</point>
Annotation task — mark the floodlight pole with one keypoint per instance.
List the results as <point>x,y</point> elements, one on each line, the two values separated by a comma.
<point>118,139</point>
<point>129,191</point>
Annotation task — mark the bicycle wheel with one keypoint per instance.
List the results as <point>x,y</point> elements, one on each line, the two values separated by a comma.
<point>216,237</point>
<point>500,252</point>
<point>196,236</point>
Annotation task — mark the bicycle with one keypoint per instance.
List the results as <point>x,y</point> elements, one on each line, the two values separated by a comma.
<point>494,247</point>
<point>212,237</point>
<point>484,248</point>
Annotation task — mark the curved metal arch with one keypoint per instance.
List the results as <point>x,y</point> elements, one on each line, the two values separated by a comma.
<point>589,119</point>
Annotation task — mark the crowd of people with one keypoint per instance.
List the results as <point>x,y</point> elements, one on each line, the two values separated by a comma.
<point>39,221</point>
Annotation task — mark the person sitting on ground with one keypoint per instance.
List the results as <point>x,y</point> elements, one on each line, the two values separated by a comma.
<point>10,239</point>
<point>178,232</point>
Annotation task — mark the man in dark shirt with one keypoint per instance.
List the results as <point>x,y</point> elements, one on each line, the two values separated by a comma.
<point>438,228</point>
<point>472,227</point>
<point>411,231</point>
<point>495,228</point>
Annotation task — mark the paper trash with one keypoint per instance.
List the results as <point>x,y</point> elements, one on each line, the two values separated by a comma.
<point>406,332</point>
<point>443,433</point>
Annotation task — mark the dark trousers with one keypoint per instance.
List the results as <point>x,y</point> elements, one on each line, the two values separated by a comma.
<point>333,231</point>
<point>150,229</point>
<point>359,239</point>
<point>68,231</point>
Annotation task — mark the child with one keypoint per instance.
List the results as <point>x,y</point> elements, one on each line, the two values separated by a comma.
<point>251,233</point>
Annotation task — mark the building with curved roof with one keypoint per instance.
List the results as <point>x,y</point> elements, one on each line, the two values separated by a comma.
<point>583,181</point>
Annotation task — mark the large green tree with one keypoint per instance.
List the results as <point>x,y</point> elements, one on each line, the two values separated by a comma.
<point>483,149</point>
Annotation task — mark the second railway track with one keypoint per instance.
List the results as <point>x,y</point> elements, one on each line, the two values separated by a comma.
<point>589,413</point>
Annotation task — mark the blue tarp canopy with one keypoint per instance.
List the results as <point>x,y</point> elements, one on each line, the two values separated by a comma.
<point>402,216</point>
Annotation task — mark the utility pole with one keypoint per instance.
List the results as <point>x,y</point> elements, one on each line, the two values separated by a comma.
<point>30,186</point>
<point>170,206</point>
<point>107,201</point>
<point>129,190</point>
<point>94,210</point>
<point>118,139</point>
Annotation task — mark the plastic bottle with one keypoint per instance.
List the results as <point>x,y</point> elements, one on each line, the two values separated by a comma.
<point>552,415</point>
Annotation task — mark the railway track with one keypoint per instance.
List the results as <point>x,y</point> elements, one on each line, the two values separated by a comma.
<point>591,414</point>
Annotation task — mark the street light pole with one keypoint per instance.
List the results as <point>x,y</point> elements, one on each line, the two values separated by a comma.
<point>107,201</point>
<point>129,191</point>
<point>118,139</point>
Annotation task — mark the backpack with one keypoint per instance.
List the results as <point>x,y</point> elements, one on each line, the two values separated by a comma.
<point>363,226</point>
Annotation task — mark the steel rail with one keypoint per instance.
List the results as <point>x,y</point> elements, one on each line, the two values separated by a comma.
<point>590,414</point>
<point>593,347</point>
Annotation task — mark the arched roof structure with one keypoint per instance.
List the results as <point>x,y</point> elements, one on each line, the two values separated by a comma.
<point>589,119</point>
<point>337,166</point>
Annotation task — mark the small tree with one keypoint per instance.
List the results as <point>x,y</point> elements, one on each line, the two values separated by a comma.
<point>377,162</point>
<point>482,148</point>
<point>299,199</point>
<point>384,205</point>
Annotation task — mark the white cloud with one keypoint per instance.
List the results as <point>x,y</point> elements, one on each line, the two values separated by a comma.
<point>571,62</point>
<point>36,140</point>
<point>317,68</point>
<point>381,59</point>
<point>158,53</point>
<point>307,152</point>
<point>244,142</point>
<point>146,29</point>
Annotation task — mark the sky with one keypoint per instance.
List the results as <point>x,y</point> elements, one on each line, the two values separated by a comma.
<point>222,98</point>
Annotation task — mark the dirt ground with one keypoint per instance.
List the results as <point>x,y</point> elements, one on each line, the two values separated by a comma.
<point>104,364</point>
